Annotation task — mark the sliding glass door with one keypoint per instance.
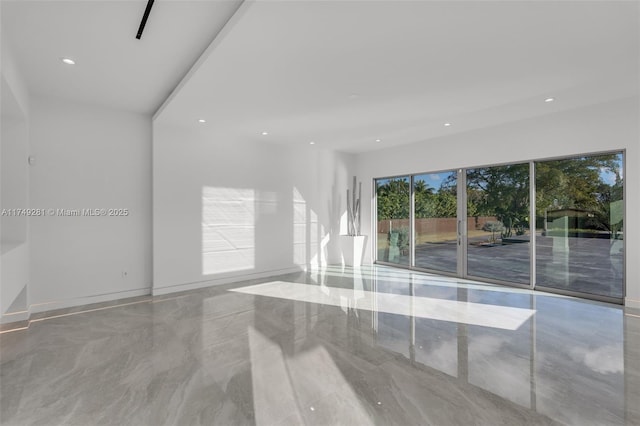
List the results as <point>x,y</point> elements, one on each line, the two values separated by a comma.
<point>498,223</point>
<point>579,215</point>
<point>393,198</point>
<point>476,223</point>
<point>435,221</point>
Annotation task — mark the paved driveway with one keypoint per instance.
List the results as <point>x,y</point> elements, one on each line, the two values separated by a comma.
<point>589,265</point>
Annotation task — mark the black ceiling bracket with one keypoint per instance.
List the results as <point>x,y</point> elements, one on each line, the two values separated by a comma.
<point>144,18</point>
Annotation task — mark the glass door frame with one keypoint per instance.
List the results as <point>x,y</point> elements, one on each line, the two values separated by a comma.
<point>462,230</point>
<point>412,230</point>
<point>374,222</point>
<point>463,216</point>
<point>461,221</point>
<point>582,295</point>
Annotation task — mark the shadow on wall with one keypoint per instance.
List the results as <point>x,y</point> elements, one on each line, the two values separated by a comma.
<point>245,229</point>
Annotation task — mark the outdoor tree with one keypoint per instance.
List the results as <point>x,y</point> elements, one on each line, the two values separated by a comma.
<point>580,184</point>
<point>393,199</point>
<point>423,196</point>
<point>592,184</point>
<point>503,192</point>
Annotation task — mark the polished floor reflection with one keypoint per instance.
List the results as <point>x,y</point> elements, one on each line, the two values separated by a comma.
<point>331,346</point>
<point>420,307</point>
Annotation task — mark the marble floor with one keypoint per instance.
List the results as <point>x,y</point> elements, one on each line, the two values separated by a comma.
<point>331,346</point>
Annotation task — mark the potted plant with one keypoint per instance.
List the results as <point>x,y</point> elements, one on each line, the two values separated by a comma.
<point>352,244</point>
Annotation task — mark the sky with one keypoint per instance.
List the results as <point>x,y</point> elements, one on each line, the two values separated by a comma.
<point>435,180</point>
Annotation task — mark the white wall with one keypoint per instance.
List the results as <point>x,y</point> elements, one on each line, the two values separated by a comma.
<point>14,146</point>
<point>14,250</point>
<point>14,149</point>
<point>603,127</point>
<point>226,209</point>
<point>89,157</point>
<point>12,75</point>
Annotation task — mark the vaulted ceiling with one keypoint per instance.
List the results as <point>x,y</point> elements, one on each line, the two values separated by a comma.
<point>342,74</point>
<point>112,68</point>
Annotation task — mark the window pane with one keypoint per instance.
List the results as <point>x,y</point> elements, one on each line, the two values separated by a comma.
<point>436,203</point>
<point>579,209</point>
<point>393,198</point>
<point>498,223</point>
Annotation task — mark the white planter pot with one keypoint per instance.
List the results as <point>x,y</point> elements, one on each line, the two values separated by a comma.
<point>352,249</point>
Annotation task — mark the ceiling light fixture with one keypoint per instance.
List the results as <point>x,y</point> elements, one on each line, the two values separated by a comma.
<point>447,124</point>
<point>550,99</point>
<point>265,133</point>
<point>202,120</point>
<point>145,16</point>
<point>68,61</point>
<point>378,140</point>
<point>312,143</point>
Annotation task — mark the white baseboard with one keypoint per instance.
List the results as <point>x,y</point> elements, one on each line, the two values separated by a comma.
<point>25,317</point>
<point>157,291</point>
<point>147,291</point>
<point>14,317</point>
<point>631,303</point>
<point>87,300</point>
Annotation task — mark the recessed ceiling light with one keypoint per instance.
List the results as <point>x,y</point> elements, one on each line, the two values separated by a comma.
<point>447,124</point>
<point>550,99</point>
<point>265,133</point>
<point>202,120</point>
<point>312,143</point>
<point>68,61</point>
<point>378,140</point>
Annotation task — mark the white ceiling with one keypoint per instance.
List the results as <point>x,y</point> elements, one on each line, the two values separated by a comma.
<point>339,73</point>
<point>345,73</point>
<point>112,68</point>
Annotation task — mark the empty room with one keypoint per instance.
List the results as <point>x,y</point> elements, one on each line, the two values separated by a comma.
<point>320,212</point>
